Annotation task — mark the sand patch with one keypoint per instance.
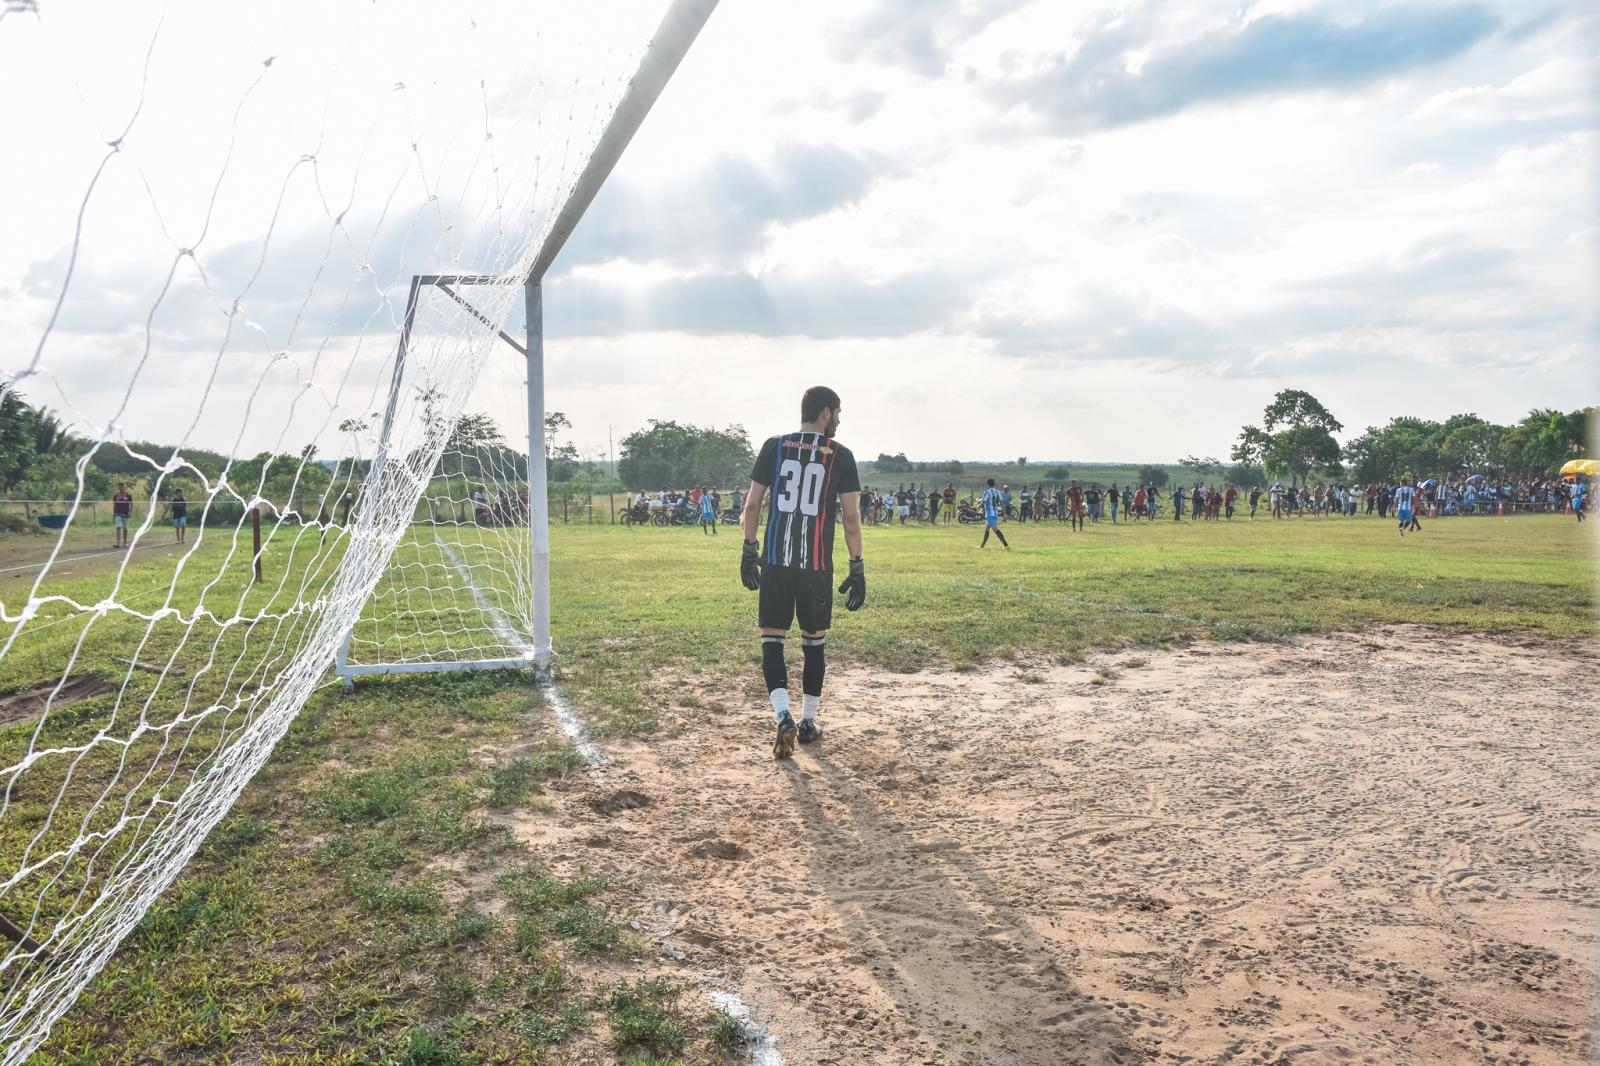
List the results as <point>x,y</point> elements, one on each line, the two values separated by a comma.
<point>28,705</point>
<point>1376,847</point>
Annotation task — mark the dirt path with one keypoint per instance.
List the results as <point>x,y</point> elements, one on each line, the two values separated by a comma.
<point>1377,848</point>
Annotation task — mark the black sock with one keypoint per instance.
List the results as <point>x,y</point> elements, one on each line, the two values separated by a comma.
<point>1001,535</point>
<point>815,665</point>
<point>776,673</point>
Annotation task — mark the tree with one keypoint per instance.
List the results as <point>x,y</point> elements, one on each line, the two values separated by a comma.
<point>1153,475</point>
<point>49,435</point>
<point>16,440</point>
<point>1245,476</point>
<point>1204,469</point>
<point>1022,460</point>
<point>472,437</point>
<point>1474,448</point>
<point>38,456</point>
<point>1058,473</point>
<point>554,423</point>
<point>672,455</point>
<point>1297,439</point>
<point>560,460</point>
<point>1538,445</point>
<point>893,464</point>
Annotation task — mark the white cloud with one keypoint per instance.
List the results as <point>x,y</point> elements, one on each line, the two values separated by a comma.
<point>968,218</point>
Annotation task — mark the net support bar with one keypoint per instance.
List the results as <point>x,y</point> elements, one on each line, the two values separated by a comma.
<point>379,669</point>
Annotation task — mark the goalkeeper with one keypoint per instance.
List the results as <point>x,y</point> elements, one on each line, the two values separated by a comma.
<point>803,480</point>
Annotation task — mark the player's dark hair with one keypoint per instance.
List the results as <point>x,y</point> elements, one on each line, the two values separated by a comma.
<point>991,483</point>
<point>817,399</point>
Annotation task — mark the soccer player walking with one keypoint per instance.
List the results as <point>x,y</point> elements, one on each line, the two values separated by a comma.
<point>994,504</point>
<point>812,480</point>
<point>708,512</point>
<point>1405,498</point>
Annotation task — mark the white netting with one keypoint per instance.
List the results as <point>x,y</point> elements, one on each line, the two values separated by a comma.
<point>458,585</point>
<point>213,216</point>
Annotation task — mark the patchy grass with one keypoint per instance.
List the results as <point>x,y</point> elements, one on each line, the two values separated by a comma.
<point>317,923</point>
<point>645,1016</point>
<point>324,919</point>
<point>638,611</point>
<point>727,1032</point>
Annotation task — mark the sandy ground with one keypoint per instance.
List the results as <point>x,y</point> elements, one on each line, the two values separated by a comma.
<point>1366,848</point>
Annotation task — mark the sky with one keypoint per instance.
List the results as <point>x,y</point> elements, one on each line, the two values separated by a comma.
<point>1066,231</point>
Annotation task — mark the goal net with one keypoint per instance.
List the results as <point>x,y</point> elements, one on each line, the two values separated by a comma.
<point>277,447</point>
<point>458,589</point>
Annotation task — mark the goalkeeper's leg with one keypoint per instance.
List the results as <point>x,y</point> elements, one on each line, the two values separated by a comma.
<point>812,646</point>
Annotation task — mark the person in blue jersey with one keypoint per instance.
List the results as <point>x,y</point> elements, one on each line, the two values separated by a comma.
<point>994,505</point>
<point>802,482</point>
<point>1579,498</point>
<point>708,512</point>
<point>1405,501</point>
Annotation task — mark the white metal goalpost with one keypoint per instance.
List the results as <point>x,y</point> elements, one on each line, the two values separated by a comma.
<point>679,27</point>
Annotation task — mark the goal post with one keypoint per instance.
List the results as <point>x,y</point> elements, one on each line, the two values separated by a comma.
<point>269,355</point>
<point>679,27</point>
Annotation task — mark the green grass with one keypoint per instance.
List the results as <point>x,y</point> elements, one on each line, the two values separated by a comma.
<point>323,920</point>
<point>317,924</point>
<point>632,607</point>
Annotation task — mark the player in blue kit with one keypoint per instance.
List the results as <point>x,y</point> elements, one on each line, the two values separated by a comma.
<point>994,502</point>
<point>708,512</point>
<point>1405,500</point>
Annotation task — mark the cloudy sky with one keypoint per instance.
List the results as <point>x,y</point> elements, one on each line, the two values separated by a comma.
<point>997,228</point>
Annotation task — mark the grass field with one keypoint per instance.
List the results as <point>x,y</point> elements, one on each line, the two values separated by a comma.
<point>629,602</point>
<point>373,897</point>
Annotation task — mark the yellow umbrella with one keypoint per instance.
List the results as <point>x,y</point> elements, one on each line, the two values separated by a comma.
<point>1574,467</point>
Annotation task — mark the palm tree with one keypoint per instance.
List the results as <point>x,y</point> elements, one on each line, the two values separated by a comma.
<point>49,434</point>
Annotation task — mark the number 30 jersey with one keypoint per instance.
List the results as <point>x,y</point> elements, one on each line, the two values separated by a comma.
<point>804,474</point>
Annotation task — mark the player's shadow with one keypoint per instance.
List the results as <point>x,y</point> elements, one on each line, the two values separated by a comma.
<point>960,964</point>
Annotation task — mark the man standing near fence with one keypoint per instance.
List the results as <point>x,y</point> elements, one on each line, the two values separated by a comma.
<point>180,515</point>
<point>121,511</point>
<point>812,479</point>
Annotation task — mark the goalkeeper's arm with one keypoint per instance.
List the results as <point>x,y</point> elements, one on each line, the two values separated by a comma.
<point>850,512</point>
<point>855,586</point>
<point>750,524</point>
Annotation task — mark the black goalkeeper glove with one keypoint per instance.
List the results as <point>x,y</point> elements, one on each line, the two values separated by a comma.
<point>748,572</point>
<point>855,586</point>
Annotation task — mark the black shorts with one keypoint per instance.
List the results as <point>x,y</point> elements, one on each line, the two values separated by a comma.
<point>787,592</point>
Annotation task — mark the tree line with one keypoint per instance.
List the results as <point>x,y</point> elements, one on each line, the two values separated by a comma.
<point>1295,440</point>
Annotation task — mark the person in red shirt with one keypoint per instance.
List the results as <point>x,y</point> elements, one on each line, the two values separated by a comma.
<point>121,511</point>
<point>1229,497</point>
<point>949,502</point>
<point>1075,505</point>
